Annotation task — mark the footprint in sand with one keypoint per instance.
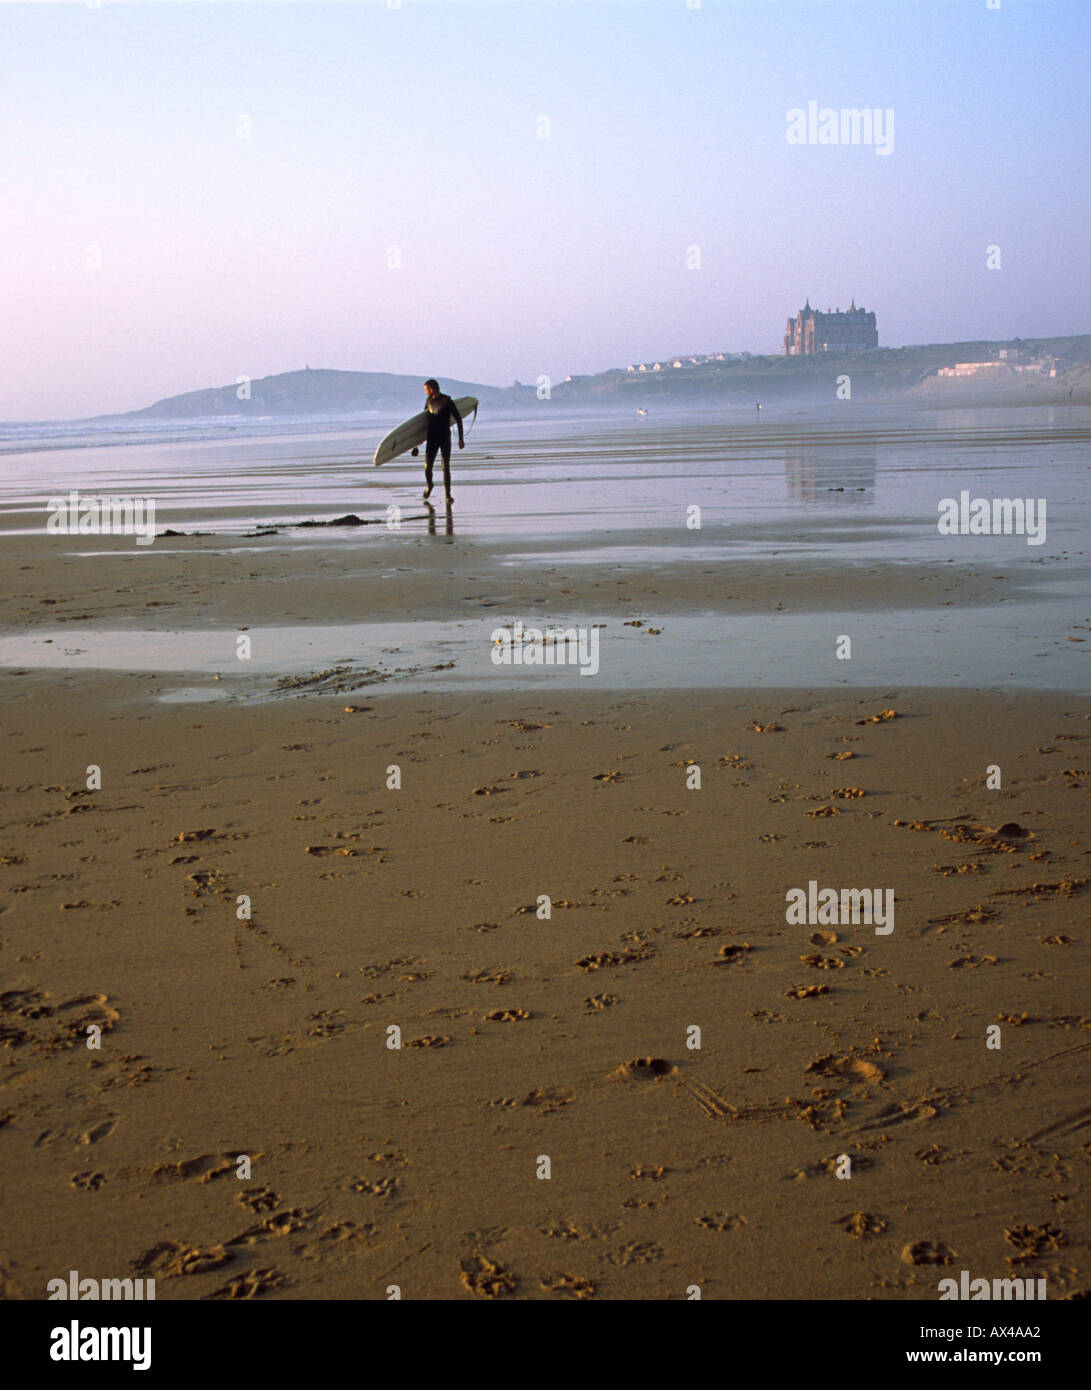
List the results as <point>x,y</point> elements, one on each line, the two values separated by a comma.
<point>603,960</point>
<point>486,1278</point>
<point>251,1284</point>
<point>563,1228</point>
<point>25,1003</point>
<point>635,1253</point>
<point>817,961</point>
<point>206,1168</point>
<point>881,717</point>
<point>645,1068</point>
<point>170,1259</point>
<point>259,1199</point>
<point>384,1188</point>
<point>52,1028</point>
<point>97,1132</point>
<point>831,1166</point>
<point>571,1285</point>
<point>1032,1241</point>
<point>394,1156</point>
<point>720,1221</point>
<point>655,1174</point>
<point>546,1100</point>
<point>862,1224</point>
<point>207,881</point>
<point>87,1182</point>
<point>279,1223</point>
<point>489,977</point>
<point>342,1236</point>
<point>928,1252</point>
<point>849,1067</point>
<point>973,916</point>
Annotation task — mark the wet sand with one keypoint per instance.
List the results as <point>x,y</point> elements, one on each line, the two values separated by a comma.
<point>245,907</point>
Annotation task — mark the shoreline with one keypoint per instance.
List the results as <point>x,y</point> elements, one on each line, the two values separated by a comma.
<point>419,608</point>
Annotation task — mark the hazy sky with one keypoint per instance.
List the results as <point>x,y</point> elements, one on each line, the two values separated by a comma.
<point>194,192</point>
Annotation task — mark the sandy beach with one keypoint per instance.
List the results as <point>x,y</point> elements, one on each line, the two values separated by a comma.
<point>524,1037</point>
<point>292,954</point>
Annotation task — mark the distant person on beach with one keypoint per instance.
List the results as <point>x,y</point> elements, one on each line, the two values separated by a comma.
<point>759,409</point>
<point>441,410</point>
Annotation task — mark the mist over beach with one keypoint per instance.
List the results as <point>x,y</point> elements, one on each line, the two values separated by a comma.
<point>629,844</point>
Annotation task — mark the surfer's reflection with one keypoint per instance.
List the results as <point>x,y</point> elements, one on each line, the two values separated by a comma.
<point>449,521</point>
<point>815,475</point>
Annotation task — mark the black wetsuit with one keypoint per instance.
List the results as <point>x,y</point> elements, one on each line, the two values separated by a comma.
<point>441,412</point>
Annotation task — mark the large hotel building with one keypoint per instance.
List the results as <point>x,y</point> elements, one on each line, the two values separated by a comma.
<point>849,330</point>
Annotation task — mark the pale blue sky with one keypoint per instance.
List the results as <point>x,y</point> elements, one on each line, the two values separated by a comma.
<point>417,127</point>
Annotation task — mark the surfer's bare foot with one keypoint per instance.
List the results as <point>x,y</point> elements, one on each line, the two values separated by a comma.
<point>450,500</point>
<point>427,493</point>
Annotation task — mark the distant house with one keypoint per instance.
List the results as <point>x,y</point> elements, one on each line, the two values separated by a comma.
<point>975,369</point>
<point>1009,362</point>
<point>811,331</point>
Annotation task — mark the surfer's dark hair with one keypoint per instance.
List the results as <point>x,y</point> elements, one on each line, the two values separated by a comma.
<point>432,382</point>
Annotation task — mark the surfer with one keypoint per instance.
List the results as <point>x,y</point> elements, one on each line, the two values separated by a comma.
<point>441,409</point>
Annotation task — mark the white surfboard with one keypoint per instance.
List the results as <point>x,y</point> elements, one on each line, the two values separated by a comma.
<point>413,432</point>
